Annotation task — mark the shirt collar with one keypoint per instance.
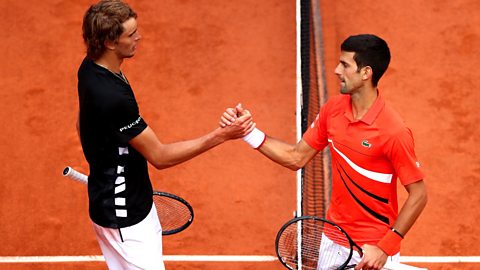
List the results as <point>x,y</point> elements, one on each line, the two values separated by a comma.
<point>372,113</point>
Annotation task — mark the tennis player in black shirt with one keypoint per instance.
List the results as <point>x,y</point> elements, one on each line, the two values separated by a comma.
<point>118,143</point>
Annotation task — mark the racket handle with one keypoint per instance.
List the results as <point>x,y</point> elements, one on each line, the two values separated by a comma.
<point>75,175</point>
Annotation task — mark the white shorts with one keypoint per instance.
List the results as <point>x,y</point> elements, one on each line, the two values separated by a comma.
<point>135,247</point>
<point>333,255</point>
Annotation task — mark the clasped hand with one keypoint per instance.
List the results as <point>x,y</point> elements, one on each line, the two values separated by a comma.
<point>237,121</point>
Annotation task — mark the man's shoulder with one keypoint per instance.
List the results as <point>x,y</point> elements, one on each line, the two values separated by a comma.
<point>337,103</point>
<point>391,122</point>
<point>391,115</point>
<point>339,99</point>
<point>85,66</point>
<point>94,79</point>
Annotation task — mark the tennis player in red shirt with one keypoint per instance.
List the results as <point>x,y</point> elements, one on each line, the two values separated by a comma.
<point>370,148</point>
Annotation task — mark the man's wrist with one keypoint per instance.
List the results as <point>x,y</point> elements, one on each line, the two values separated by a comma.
<point>390,243</point>
<point>397,232</point>
<point>255,139</point>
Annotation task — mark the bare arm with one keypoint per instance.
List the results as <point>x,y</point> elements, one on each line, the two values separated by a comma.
<point>166,155</point>
<point>412,208</point>
<point>293,157</point>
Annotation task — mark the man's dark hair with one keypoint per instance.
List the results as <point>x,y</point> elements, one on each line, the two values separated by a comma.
<point>103,21</point>
<point>371,51</point>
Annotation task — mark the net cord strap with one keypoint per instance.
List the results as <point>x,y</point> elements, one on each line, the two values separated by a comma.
<point>298,105</point>
<point>299,108</point>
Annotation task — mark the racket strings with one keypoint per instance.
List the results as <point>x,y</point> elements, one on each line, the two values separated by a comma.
<point>299,245</point>
<point>173,214</point>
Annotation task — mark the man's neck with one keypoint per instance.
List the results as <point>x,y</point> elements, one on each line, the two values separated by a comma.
<point>110,61</point>
<point>362,101</point>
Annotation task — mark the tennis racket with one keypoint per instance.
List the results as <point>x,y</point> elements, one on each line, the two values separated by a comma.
<point>175,213</point>
<point>298,246</point>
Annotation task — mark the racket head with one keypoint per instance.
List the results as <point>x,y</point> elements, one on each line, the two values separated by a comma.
<point>175,213</point>
<point>298,242</point>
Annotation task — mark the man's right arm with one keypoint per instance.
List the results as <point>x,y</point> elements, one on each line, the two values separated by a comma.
<point>290,156</point>
<point>162,155</point>
<point>294,156</point>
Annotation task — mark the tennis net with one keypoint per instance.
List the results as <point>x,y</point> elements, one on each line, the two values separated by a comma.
<point>315,176</point>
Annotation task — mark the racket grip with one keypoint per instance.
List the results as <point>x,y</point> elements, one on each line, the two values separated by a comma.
<point>75,175</point>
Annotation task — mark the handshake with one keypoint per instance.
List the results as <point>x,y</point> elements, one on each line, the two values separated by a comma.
<point>239,115</point>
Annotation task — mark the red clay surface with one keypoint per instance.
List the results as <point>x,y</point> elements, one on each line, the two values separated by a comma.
<point>196,59</point>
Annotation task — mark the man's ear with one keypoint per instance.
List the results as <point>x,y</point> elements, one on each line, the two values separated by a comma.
<point>367,73</point>
<point>110,45</point>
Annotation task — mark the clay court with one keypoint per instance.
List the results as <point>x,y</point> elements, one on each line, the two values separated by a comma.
<point>198,57</point>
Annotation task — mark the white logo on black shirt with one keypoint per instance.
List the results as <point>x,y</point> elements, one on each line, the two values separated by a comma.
<point>120,187</point>
<point>131,124</point>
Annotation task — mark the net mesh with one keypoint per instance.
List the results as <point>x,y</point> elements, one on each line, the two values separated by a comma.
<point>315,175</point>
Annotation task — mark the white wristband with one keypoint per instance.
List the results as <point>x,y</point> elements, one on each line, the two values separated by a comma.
<point>255,138</point>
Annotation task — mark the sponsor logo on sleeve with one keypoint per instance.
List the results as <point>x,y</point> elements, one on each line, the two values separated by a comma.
<point>131,124</point>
